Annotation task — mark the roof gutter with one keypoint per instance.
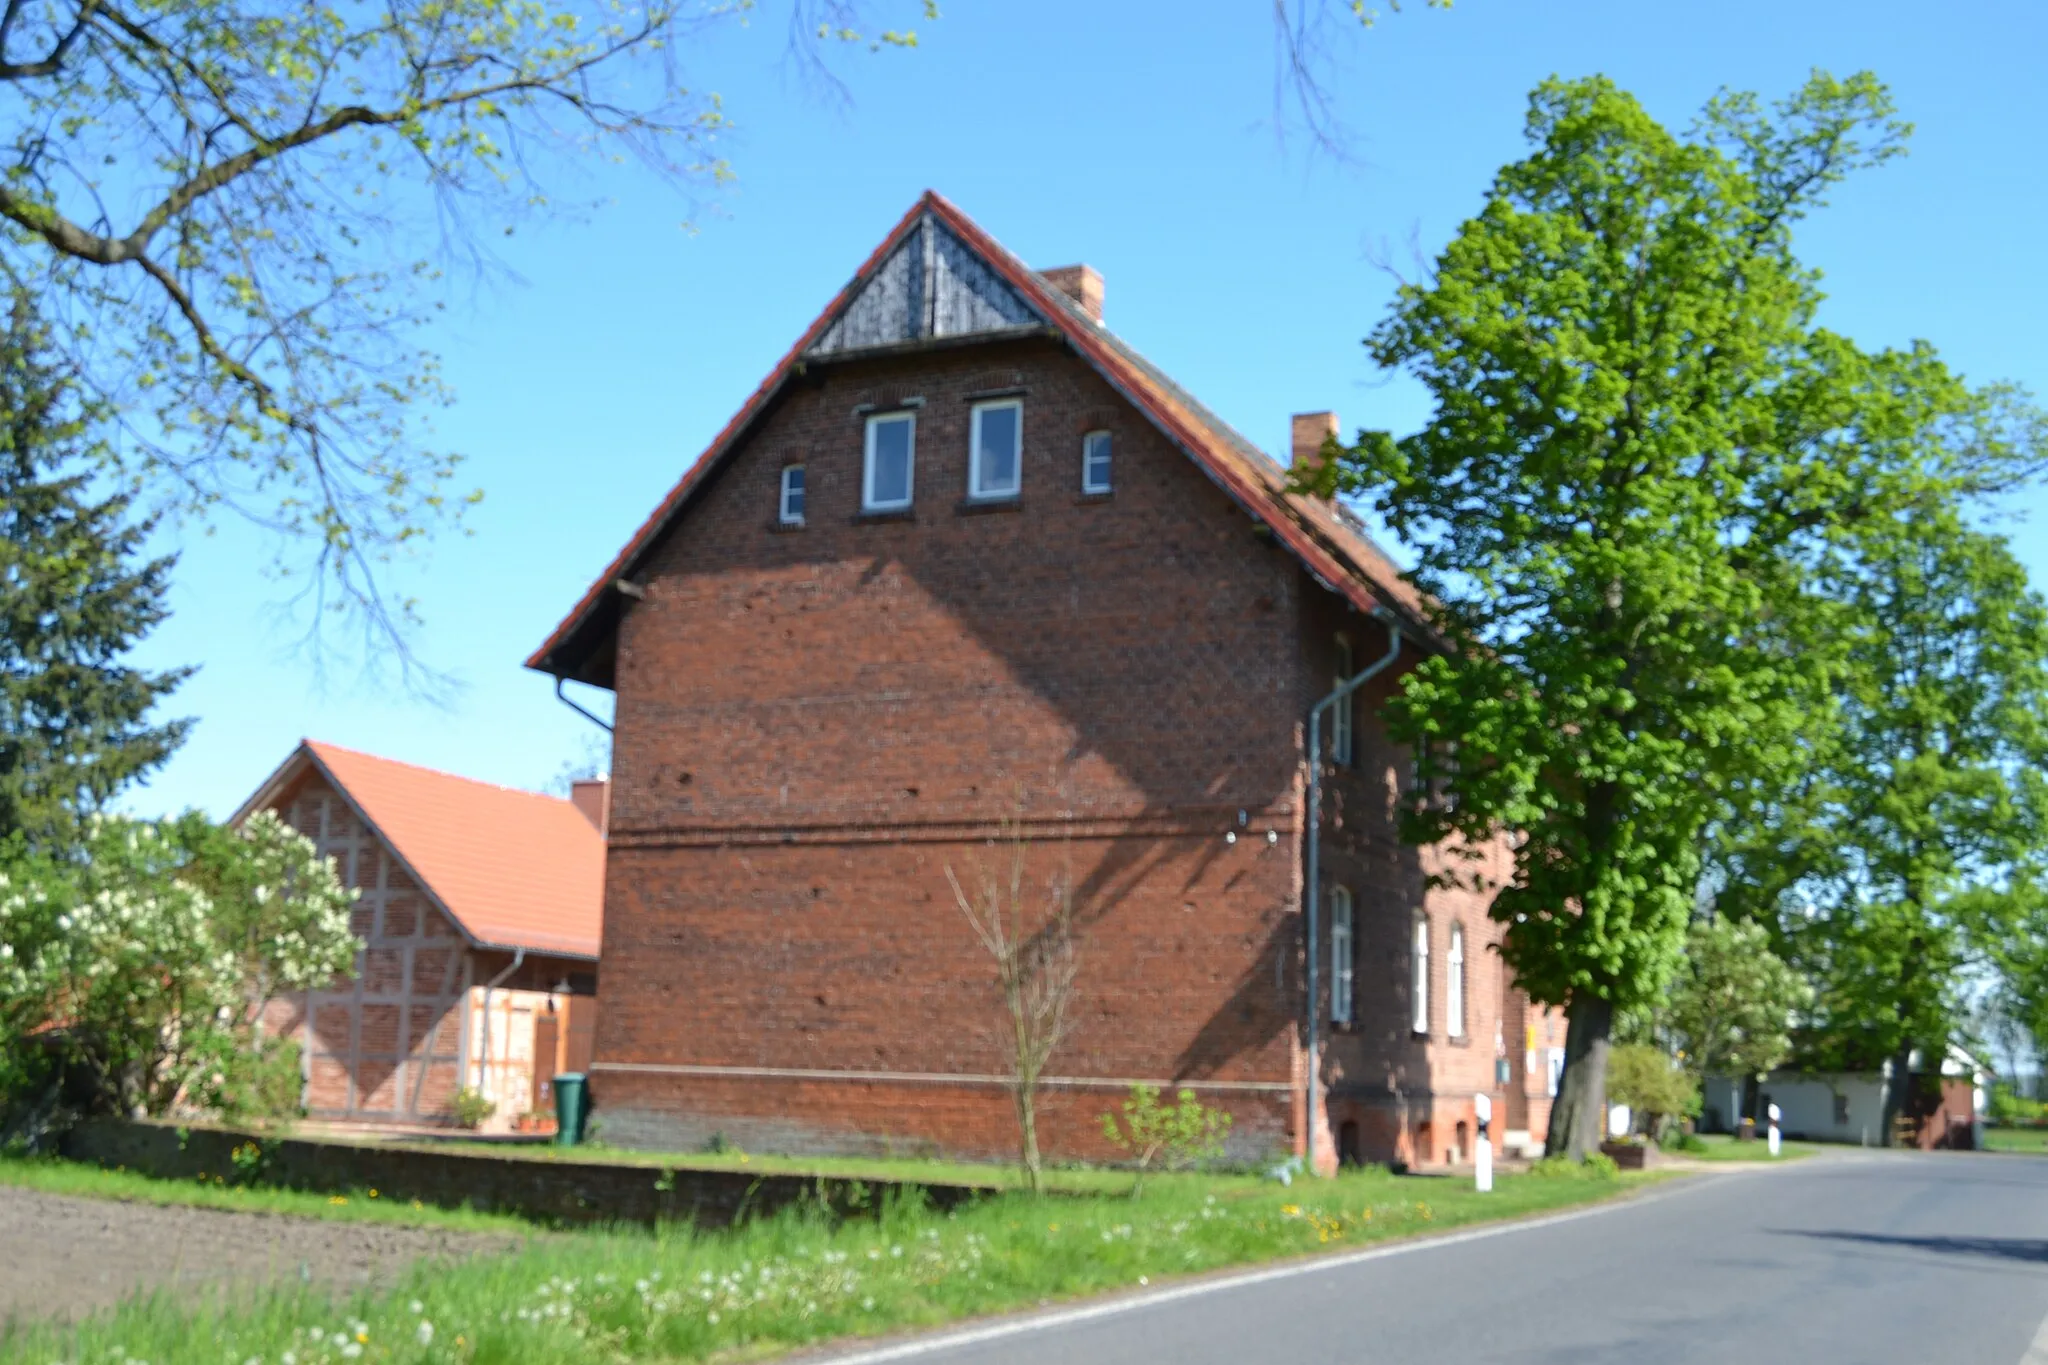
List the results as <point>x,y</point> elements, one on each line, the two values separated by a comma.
<point>1312,892</point>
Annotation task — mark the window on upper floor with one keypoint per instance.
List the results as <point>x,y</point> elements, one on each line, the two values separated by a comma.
<point>887,472</point>
<point>1454,984</point>
<point>1418,990</point>
<point>1341,714</point>
<point>1343,957</point>
<point>792,506</point>
<point>1095,450</point>
<point>995,458</point>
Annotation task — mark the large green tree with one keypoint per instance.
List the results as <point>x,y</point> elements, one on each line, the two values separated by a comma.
<point>239,211</point>
<point>1911,849</point>
<point>77,593</point>
<point>1643,451</point>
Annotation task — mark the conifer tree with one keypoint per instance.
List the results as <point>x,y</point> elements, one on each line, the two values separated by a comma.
<point>76,594</point>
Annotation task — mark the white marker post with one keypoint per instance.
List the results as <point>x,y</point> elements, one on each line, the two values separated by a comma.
<point>1774,1129</point>
<point>1483,1157</point>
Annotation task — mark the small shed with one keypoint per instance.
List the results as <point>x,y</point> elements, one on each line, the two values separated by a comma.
<point>1944,1107</point>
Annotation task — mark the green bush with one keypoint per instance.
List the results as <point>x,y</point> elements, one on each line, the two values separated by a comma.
<point>1679,1140</point>
<point>1651,1084</point>
<point>472,1107</point>
<point>1596,1166</point>
<point>257,1082</point>
<point>1177,1135</point>
<point>2007,1106</point>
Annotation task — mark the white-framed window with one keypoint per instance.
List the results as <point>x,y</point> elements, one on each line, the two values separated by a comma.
<point>1340,714</point>
<point>1418,990</point>
<point>792,495</point>
<point>1454,984</point>
<point>1095,451</point>
<point>887,473</point>
<point>1342,964</point>
<point>995,459</point>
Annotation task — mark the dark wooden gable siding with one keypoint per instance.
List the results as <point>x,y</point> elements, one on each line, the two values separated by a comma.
<point>932,285</point>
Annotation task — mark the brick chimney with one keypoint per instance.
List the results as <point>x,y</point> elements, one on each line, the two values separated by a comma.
<point>593,797</point>
<point>1080,283</point>
<point>1310,430</point>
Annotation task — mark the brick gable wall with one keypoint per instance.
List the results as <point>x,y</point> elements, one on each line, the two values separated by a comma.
<point>813,725</point>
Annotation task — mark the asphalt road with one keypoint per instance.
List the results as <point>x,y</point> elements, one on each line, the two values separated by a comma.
<point>1860,1259</point>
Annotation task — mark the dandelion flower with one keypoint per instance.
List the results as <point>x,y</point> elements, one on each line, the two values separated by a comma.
<point>424,1333</point>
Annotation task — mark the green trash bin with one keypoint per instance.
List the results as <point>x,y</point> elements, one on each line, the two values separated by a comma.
<point>572,1107</point>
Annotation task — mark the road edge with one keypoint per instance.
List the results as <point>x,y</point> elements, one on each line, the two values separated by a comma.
<point>1115,1303</point>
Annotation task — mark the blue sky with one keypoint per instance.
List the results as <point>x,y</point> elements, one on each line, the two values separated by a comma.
<point>1136,138</point>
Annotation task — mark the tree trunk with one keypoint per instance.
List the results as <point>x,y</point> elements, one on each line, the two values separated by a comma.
<point>1902,1060</point>
<point>1027,1127</point>
<point>1895,1095</point>
<point>1578,1117</point>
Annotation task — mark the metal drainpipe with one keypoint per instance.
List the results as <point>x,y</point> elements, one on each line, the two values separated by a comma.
<point>483,1072</point>
<point>570,702</point>
<point>1312,890</point>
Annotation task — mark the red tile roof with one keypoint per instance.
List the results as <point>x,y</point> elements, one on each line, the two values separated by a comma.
<point>514,869</point>
<point>1327,540</point>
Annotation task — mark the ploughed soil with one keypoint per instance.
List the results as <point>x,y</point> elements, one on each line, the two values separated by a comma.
<point>63,1257</point>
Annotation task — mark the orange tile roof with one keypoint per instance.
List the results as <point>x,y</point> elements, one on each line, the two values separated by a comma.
<point>515,869</point>
<point>1325,537</point>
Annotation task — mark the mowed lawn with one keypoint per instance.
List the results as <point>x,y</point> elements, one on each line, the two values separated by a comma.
<point>1722,1147</point>
<point>2033,1141</point>
<point>780,1283</point>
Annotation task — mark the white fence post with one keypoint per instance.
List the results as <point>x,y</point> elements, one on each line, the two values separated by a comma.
<point>1483,1157</point>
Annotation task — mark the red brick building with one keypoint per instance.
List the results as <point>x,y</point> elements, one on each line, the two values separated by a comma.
<point>480,909</point>
<point>966,563</point>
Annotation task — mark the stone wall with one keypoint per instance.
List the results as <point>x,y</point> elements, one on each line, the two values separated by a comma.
<point>548,1190</point>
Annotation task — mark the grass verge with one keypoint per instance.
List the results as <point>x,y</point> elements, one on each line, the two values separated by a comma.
<point>53,1176</point>
<point>1723,1147</point>
<point>785,1282</point>
<point>2033,1141</point>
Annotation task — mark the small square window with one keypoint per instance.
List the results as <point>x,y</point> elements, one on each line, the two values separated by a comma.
<point>1095,462</point>
<point>995,462</point>
<point>793,495</point>
<point>886,480</point>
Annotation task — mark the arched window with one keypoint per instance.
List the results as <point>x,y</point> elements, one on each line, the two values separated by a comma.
<point>1454,984</point>
<point>1419,989</point>
<point>1342,971</point>
<point>1340,714</point>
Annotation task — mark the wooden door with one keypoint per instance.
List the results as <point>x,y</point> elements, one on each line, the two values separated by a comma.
<point>581,1040</point>
<point>547,1033</point>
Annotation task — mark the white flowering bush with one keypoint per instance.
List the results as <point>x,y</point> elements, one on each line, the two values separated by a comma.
<point>142,960</point>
